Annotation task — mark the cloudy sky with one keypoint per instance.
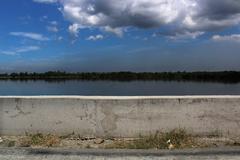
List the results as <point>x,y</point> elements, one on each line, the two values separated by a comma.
<point>119,35</point>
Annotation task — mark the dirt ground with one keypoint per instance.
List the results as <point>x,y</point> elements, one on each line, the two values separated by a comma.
<point>176,139</point>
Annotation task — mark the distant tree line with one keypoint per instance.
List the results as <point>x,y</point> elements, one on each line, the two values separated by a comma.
<point>224,76</point>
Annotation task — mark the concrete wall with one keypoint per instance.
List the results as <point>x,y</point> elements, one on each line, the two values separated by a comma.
<point>119,116</point>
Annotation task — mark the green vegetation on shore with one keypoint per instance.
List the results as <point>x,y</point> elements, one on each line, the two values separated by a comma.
<point>223,76</point>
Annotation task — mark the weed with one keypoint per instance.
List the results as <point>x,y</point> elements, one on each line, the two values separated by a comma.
<point>40,140</point>
<point>177,138</point>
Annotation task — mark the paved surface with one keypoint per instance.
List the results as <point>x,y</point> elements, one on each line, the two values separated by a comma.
<point>59,154</point>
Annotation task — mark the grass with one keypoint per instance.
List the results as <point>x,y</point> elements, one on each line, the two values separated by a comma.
<point>40,140</point>
<point>8,143</point>
<point>177,139</point>
<point>215,133</point>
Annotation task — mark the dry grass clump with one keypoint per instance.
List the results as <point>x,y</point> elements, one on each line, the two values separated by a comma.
<point>175,139</point>
<point>40,140</point>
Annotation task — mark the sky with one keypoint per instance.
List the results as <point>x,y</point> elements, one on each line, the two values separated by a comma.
<point>119,35</point>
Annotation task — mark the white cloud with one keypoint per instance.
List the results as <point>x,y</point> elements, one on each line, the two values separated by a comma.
<point>54,23</point>
<point>17,51</point>
<point>233,37</point>
<point>191,16</point>
<point>74,29</point>
<point>116,31</point>
<point>45,1</point>
<point>59,38</point>
<point>43,18</point>
<point>95,38</point>
<point>8,53</point>
<point>34,36</point>
<point>186,35</point>
<point>141,13</point>
<point>179,34</point>
<point>52,28</point>
<point>27,49</point>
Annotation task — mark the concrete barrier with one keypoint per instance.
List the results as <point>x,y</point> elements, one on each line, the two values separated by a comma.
<point>119,116</point>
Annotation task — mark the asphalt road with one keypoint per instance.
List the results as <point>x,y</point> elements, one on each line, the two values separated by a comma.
<point>70,154</point>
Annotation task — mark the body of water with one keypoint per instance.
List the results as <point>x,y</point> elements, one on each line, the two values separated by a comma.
<point>116,88</point>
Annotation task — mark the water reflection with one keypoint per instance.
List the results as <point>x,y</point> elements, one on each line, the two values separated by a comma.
<point>117,88</point>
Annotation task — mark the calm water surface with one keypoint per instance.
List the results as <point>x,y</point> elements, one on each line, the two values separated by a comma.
<point>75,87</point>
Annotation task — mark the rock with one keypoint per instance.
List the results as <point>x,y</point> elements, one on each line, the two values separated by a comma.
<point>98,141</point>
<point>1,140</point>
<point>11,144</point>
<point>171,146</point>
<point>87,138</point>
<point>169,141</point>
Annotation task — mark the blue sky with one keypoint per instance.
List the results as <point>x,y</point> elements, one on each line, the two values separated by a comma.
<point>124,35</point>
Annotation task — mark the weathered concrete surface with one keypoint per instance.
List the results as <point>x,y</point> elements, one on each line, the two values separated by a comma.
<point>119,116</point>
<point>59,154</point>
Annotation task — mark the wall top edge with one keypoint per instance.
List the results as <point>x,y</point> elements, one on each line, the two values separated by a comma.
<point>122,97</point>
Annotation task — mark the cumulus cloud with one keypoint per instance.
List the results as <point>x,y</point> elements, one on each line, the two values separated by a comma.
<point>20,50</point>
<point>233,37</point>
<point>33,36</point>
<point>192,16</point>
<point>95,38</point>
<point>74,29</point>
